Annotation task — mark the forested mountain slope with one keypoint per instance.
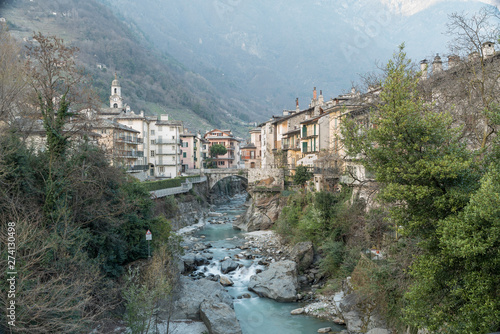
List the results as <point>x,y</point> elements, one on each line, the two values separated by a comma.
<point>151,80</point>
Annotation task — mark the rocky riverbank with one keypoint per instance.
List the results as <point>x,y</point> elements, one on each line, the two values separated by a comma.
<point>243,266</point>
<point>345,307</point>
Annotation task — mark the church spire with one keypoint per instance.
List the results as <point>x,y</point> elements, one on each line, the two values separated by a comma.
<point>115,99</point>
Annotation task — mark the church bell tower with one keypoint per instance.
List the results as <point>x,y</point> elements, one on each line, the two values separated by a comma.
<point>115,99</point>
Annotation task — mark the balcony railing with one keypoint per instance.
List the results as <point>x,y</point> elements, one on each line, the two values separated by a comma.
<point>129,139</point>
<point>169,152</point>
<point>136,168</point>
<point>168,163</point>
<point>131,154</point>
<point>168,141</point>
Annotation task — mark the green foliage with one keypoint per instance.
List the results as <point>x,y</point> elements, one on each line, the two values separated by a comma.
<point>163,184</point>
<point>302,175</point>
<point>325,219</point>
<point>217,149</point>
<point>430,182</point>
<point>146,287</point>
<point>460,283</point>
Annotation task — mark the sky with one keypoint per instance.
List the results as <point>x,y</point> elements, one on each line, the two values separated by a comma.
<point>411,7</point>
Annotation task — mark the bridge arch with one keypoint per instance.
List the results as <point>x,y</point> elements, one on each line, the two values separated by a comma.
<point>216,175</point>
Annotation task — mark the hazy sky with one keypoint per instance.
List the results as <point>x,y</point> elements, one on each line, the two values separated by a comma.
<point>410,7</point>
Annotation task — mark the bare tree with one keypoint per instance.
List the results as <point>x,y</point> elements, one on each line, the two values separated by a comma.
<point>470,87</point>
<point>13,87</point>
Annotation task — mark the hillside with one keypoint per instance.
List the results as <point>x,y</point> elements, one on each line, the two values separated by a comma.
<point>151,80</point>
<point>275,51</point>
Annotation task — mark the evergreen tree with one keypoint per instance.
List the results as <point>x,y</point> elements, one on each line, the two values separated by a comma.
<point>429,182</point>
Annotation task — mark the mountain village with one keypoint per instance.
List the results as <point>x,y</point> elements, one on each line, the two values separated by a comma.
<point>156,147</point>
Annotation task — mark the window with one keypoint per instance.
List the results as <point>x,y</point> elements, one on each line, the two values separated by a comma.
<point>183,154</point>
<point>160,128</point>
<point>173,158</point>
<point>152,132</point>
<point>153,142</point>
<point>221,163</point>
<point>162,169</point>
<point>115,90</point>
<point>173,148</point>
<point>152,153</point>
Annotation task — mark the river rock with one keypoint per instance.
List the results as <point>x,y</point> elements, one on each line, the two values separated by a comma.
<point>303,254</point>
<point>360,314</point>
<point>191,261</point>
<point>225,281</point>
<point>228,265</point>
<point>219,318</point>
<point>264,210</point>
<point>278,282</point>
<point>378,331</point>
<point>324,330</point>
<point>190,296</point>
<point>297,311</point>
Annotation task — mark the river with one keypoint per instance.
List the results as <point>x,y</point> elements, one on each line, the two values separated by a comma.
<point>255,314</point>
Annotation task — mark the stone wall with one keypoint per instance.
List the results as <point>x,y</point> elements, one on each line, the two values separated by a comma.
<point>266,177</point>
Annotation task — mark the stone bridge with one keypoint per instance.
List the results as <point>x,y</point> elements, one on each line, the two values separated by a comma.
<point>217,174</point>
<point>257,178</point>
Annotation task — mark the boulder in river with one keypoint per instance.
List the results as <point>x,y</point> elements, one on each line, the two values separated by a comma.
<point>191,295</point>
<point>219,318</point>
<point>278,282</point>
<point>192,260</point>
<point>225,281</point>
<point>228,265</point>
<point>303,254</point>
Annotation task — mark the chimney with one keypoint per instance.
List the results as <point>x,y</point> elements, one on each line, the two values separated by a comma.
<point>488,49</point>
<point>437,65</point>
<point>314,94</point>
<point>286,112</point>
<point>297,105</point>
<point>321,97</point>
<point>453,61</point>
<point>423,68</point>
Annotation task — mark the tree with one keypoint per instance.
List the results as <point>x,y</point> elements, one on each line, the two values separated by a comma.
<point>302,175</point>
<point>12,78</point>
<point>469,88</point>
<point>427,178</point>
<point>217,149</point>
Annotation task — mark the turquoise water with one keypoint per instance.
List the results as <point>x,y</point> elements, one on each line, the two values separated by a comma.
<point>255,314</point>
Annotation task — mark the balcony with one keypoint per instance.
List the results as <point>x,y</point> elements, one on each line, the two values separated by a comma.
<point>168,141</point>
<point>136,168</point>
<point>129,139</point>
<point>168,163</point>
<point>169,152</point>
<point>130,154</point>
